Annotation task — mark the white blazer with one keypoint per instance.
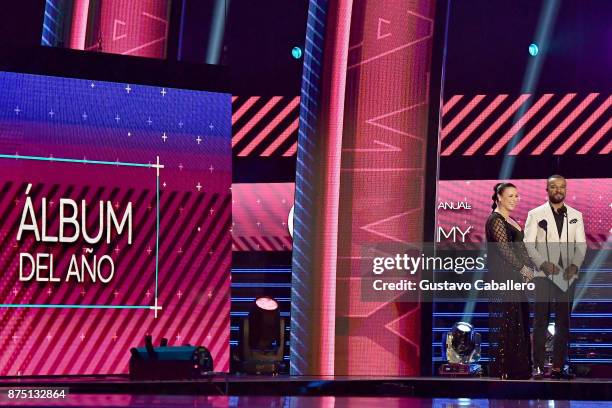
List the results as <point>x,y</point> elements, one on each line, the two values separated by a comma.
<point>570,246</point>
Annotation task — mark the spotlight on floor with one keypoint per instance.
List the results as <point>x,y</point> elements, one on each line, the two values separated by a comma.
<point>462,351</point>
<point>169,363</point>
<point>262,338</point>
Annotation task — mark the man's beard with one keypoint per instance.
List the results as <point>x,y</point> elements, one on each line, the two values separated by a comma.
<point>553,199</point>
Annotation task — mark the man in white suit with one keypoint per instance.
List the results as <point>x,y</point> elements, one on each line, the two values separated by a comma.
<point>555,240</point>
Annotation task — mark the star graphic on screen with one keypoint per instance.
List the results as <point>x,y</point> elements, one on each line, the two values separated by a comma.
<point>128,89</point>
<point>51,113</point>
<point>199,186</point>
<point>198,139</point>
<point>84,115</point>
<point>92,85</point>
<point>149,121</point>
<point>164,136</point>
<point>181,124</point>
<point>117,118</point>
<point>17,110</point>
<point>163,92</point>
<point>211,126</point>
<point>129,134</point>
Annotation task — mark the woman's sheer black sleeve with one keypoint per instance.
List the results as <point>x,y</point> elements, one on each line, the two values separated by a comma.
<point>504,245</point>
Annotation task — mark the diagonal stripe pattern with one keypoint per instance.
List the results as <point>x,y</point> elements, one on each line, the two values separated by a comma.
<point>264,126</point>
<point>82,341</point>
<point>552,124</point>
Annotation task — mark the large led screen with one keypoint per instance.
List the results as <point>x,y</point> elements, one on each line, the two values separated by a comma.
<point>116,216</point>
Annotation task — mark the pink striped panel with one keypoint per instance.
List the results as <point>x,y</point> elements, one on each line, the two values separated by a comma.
<point>258,117</point>
<point>281,139</point>
<point>461,115</point>
<point>291,151</point>
<point>566,122</point>
<point>451,102</point>
<point>474,125</point>
<point>519,124</point>
<point>270,127</point>
<point>608,148</point>
<point>245,107</point>
<point>502,119</point>
<point>538,128</point>
<point>597,136</point>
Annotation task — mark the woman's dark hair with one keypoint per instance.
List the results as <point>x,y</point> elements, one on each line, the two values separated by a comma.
<point>499,189</point>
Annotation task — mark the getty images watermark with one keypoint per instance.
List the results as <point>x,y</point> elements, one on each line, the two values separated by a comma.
<point>428,271</point>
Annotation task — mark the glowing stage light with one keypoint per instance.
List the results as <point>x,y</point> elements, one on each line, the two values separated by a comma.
<point>262,338</point>
<point>296,52</point>
<point>533,49</point>
<point>461,347</point>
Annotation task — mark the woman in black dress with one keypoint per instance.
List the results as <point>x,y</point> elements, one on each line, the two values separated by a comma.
<point>509,340</point>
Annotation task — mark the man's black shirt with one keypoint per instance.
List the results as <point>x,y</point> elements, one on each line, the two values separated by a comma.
<point>559,218</point>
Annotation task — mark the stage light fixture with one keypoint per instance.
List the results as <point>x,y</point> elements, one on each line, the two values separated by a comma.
<point>462,351</point>
<point>169,363</point>
<point>296,52</point>
<point>262,338</point>
<point>533,49</point>
<point>264,319</point>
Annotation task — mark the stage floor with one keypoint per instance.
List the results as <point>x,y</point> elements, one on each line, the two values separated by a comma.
<point>143,401</point>
<point>284,386</point>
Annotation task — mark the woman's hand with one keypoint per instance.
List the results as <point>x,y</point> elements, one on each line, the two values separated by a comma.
<point>527,273</point>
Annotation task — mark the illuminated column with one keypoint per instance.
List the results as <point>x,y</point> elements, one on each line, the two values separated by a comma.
<point>360,181</point>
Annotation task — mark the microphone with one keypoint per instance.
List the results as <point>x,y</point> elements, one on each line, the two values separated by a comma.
<point>544,225</point>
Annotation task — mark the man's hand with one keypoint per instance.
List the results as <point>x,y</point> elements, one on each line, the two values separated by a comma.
<point>570,272</point>
<point>549,268</point>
